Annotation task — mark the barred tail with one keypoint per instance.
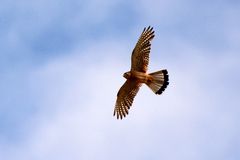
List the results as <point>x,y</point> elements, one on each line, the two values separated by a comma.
<point>158,81</point>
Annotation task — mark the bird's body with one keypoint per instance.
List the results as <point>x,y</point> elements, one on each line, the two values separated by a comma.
<point>139,77</point>
<point>156,81</point>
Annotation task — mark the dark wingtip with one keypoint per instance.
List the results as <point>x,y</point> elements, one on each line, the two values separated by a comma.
<point>149,28</point>
<point>165,83</point>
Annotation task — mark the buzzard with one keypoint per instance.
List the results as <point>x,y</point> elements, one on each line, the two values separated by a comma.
<point>156,81</point>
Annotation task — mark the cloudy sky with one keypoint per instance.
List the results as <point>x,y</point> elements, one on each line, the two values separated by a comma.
<point>61,65</point>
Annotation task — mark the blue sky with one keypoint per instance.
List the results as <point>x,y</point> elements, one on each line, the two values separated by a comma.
<point>61,65</point>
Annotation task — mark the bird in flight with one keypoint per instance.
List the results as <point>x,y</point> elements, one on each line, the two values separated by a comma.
<point>156,81</point>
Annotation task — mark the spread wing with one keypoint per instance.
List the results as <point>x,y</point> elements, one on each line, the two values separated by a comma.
<point>140,54</point>
<point>125,98</point>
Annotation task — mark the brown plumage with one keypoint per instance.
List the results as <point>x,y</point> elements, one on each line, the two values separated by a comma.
<point>156,81</point>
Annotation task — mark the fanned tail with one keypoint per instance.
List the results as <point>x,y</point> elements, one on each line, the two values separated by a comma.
<point>158,81</point>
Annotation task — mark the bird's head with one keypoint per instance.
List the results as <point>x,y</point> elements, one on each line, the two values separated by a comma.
<point>127,75</point>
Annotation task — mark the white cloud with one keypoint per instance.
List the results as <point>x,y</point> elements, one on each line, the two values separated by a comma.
<point>77,96</point>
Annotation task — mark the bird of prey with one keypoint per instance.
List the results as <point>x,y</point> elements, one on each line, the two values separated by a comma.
<point>156,81</point>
